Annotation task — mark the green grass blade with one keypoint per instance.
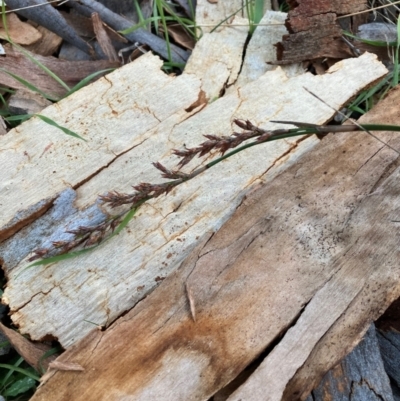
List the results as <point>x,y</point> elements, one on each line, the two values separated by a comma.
<point>395,80</point>
<point>129,216</point>
<point>90,322</point>
<point>155,15</point>
<point>191,8</point>
<point>357,109</point>
<point>160,6</point>
<point>364,96</point>
<point>59,258</point>
<point>43,67</point>
<point>4,19</point>
<point>7,90</point>
<point>142,24</point>
<point>19,117</point>
<point>69,255</point>
<point>138,11</point>
<point>3,101</point>
<point>63,129</point>
<point>380,127</point>
<point>48,353</point>
<point>284,7</point>
<point>86,80</point>
<point>377,43</point>
<point>10,372</point>
<point>19,370</point>
<point>28,85</point>
<point>185,23</point>
<point>228,17</point>
<point>258,11</point>
<point>47,120</point>
<point>255,12</point>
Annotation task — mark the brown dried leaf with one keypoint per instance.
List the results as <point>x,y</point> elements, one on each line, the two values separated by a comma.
<point>18,31</point>
<point>181,36</point>
<point>103,38</point>
<point>71,72</point>
<point>31,352</point>
<point>48,44</point>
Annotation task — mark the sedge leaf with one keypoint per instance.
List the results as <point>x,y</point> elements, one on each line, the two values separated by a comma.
<point>25,372</point>
<point>20,386</point>
<point>63,129</point>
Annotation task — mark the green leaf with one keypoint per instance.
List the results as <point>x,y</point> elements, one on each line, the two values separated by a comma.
<point>20,386</point>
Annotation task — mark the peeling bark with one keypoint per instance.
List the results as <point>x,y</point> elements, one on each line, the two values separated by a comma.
<point>314,30</point>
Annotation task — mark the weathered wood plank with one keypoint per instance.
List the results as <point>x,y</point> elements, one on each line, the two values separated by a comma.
<point>363,284</point>
<point>133,103</point>
<point>261,49</point>
<point>311,252</point>
<point>218,58</point>
<point>98,287</point>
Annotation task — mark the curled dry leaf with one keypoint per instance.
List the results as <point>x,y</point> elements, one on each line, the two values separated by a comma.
<point>67,366</point>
